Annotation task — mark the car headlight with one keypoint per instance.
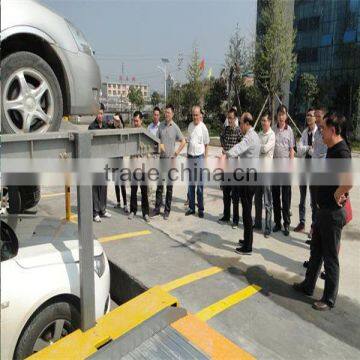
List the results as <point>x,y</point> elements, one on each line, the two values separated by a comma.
<point>80,39</point>
<point>99,264</point>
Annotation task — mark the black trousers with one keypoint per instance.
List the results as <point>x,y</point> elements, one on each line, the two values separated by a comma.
<point>325,245</point>
<point>246,196</point>
<point>123,194</point>
<point>99,194</point>
<point>144,199</point>
<point>168,197</point>
<point>231,194</point>
<point>281,204</point>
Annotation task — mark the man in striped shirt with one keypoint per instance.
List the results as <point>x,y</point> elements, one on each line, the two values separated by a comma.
<point>230,136</point>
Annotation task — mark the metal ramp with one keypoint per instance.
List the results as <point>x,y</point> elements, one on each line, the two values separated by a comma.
<point>165,345</point>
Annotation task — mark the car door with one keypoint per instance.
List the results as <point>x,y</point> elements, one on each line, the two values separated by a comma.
<point>10,283</point>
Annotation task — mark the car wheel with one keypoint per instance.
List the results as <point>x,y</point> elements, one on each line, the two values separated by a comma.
<point>31,95</point>
<point>48,325</point>
<point>22,198</point>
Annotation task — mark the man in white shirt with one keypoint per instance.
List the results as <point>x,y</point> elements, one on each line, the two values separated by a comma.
<point>305,149</point>
<point>154,126</point>
<point>198,141</point>
<point>263,194</point>
<point>284,149</point>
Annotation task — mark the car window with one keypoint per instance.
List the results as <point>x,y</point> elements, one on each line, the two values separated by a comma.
<point>8,242</point>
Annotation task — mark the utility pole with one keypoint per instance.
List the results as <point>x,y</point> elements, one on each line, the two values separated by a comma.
<point>164,70</point>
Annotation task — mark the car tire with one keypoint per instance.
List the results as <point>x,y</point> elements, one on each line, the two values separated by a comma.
<point>27,60</point>
<point>22,198</point>
<point>42,319</point>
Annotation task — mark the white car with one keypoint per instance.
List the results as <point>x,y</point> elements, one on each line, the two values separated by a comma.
<point>40,291</point>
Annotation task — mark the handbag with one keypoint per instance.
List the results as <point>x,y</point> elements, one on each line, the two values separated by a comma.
<point>348,211</point>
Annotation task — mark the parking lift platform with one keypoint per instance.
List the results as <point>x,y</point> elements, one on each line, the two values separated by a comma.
<point>150,326</point>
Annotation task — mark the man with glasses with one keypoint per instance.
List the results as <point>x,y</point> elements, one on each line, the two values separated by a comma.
<point>304,149</point>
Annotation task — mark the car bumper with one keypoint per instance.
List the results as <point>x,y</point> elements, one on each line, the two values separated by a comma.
<point>84,81</point>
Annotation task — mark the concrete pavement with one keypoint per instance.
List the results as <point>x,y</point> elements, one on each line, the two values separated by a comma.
<point>275,323</point>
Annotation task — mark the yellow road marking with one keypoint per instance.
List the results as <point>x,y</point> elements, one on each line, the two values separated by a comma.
<point>191,278</point>
<point>45,196</point>
<point>209,340</point>
<point>124,236</point>
<point>231,300</point>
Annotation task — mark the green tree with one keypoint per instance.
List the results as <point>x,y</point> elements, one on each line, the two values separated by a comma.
<point>215,97</point>
<point>155,98</point>
<point>239,60</point>
<point>135,97</point>
<point>175,98</point>
<point>308,89</point>
<point>275,62</point>
<point>356,115</point>
<point>192,91</point>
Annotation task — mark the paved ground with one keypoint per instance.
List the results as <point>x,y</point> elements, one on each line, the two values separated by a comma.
<point>274,323</point>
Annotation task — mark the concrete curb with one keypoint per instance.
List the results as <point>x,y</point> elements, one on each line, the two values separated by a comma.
<point>123,287</point>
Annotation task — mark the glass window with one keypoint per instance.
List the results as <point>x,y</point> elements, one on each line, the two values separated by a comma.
<point>349,36</point>
<point>354,5</point>
<point>326,40</point>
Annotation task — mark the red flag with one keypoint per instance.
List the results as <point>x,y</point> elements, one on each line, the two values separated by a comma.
<point>202,64</point>
<point>133,78</point>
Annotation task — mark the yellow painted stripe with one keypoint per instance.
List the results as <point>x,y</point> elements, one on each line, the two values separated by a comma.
<point>227,302</point>
<point>45,196</point>
<point>81,345</point>
<point>191,278</point>
<point>205,338</point>
<point>124,236</point>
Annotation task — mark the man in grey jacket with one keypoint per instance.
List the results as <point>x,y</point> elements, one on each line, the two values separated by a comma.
<point>249,148</point>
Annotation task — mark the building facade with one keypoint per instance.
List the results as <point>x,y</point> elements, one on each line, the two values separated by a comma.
<point>328,46</point>
<point>114,95</point>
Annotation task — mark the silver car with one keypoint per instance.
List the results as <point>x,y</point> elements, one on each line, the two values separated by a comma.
<point>47,68</point>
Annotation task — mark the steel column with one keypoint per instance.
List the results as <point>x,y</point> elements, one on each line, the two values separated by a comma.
<point>86,238</point>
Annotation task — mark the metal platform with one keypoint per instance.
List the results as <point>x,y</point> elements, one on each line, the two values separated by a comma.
<point>80,145</point>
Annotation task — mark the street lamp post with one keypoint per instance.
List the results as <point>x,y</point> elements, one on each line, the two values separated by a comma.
<point>164,70</point>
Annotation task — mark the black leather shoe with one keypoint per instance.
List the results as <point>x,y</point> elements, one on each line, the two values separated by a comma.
<point>277,228</point>
<point>155,213</point>
<point>308,242</point>
<point>286,231</point>
<point>189,212</point>
<point>306,264</point>
<point>223,220</point>
<point>257,226</point>
<point>299,287</point>
<point>321,306</point>
<point>201,215</point>
<point>243,251</point>
<point>323,275</point>
<point>241,242</point>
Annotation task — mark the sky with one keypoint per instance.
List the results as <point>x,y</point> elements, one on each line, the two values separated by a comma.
<point>131,37</point>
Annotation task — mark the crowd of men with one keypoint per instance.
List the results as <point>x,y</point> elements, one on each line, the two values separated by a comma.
<point>322,138</point>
